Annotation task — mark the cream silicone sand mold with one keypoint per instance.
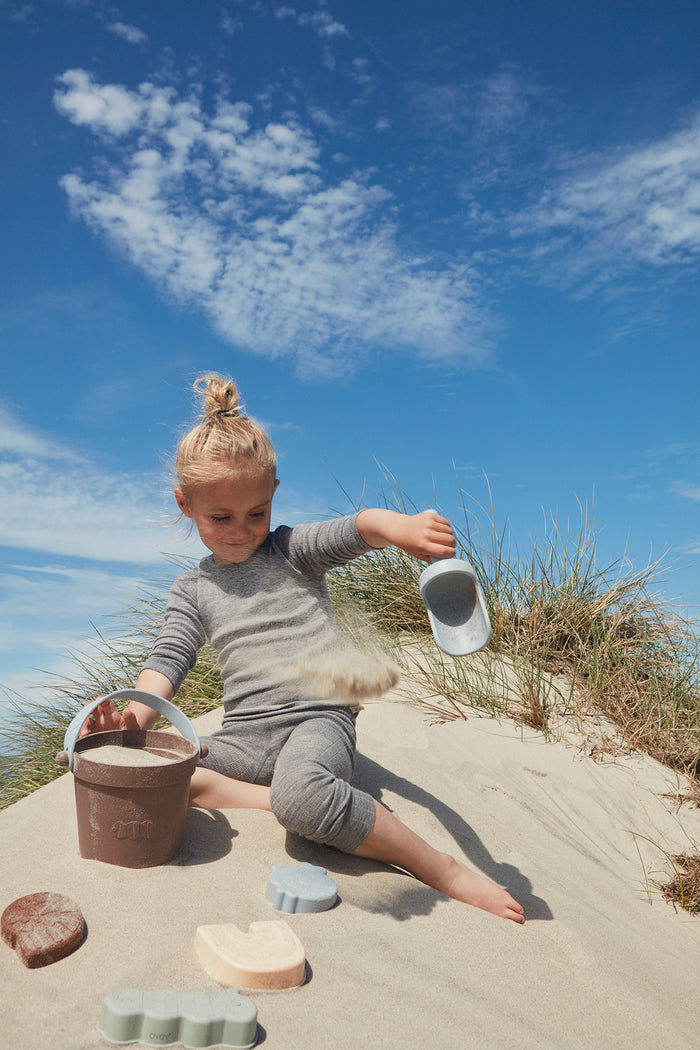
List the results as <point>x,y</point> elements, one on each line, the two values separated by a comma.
<point>269,956</point>
<point>165,1018</point>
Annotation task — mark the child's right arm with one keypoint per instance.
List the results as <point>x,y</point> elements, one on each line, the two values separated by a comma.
<point>151,682</point>
<point>135,715</point>
<point>174,653</point>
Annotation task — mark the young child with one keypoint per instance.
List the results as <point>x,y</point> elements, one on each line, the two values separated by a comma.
<point>260,598</point>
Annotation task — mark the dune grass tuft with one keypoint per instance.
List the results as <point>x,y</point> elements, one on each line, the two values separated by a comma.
<point>32,733</point>
<point>573,639</point>
<point>684,887</point>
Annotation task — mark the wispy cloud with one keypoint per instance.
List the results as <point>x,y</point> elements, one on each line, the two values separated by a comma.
<point>323,118</point>
<point>56,500</point>
<point>132,34</point>
<point>493,107</point>
<point>686,489</point>
<point>19,440</point>
<point>503,102</point>
<point>58,598</point>
<point>229,24</point>
<point>360,73</point>
<point>79,512</point>
<point>320,21</point>
<point>239,221</point>
<point>18,12</point>
<point>49,619</point>
<point>618,210</point>
<point>487,132</point>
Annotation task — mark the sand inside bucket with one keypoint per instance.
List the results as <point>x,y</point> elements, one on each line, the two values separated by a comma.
<point>114,755</point>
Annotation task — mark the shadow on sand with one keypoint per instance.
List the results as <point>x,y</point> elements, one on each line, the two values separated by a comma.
<point>207,837</point>
<point>412,897</point>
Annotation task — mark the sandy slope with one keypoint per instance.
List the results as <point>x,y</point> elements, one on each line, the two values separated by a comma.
<point>396,964</point>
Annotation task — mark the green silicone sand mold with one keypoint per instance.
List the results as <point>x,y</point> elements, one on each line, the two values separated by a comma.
<point>165,1018</point>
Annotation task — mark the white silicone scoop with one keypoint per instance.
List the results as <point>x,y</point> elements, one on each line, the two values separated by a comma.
<point>456,607</point>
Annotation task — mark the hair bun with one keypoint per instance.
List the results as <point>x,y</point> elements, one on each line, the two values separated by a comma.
<point>220,396</point>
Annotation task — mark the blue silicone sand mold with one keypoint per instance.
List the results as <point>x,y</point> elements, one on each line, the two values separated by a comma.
<point>165,1018</point>
<point>306,888</point>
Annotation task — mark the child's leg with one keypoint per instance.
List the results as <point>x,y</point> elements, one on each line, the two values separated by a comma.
<point>310,795</point>
<point>211,790</point>
<point>233,772</point>
<point>391,841</point>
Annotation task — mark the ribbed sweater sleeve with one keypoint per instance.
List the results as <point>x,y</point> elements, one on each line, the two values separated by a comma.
<point>175,650</point>
<point>319,546</point>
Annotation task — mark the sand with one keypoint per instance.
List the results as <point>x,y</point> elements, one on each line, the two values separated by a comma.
<point>602,961</point>
<point>114,755</point>
<point>339,672</point>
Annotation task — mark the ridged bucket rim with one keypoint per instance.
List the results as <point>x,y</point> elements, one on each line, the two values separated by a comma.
<point>134,776</point>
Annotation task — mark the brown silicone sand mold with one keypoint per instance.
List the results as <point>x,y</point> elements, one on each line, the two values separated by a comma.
<point>42,928</point>
<point>270,955</point>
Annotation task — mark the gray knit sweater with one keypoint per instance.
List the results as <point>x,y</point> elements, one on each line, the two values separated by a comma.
<point>259,616</point>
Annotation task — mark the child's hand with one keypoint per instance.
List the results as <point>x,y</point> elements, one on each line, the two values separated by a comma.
<point>106,717</point>
<point>426,535</point>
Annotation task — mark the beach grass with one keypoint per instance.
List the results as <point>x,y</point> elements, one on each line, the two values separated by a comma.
<point>571,639</point>
<point>32,733</point>
<point>574,645</point>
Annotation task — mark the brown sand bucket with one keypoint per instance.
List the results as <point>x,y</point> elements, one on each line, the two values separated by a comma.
<point>131,786</point>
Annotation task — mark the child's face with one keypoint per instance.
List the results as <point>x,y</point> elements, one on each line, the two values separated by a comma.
<point>232,516</point>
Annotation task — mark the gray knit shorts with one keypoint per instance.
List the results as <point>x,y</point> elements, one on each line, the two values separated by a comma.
<point>307,757</point>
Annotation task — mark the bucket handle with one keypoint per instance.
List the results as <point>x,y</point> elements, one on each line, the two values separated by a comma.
<point>162,706</point>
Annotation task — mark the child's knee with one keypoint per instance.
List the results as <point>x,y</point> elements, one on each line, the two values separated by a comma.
<point>309,805</point>
<point>322,808</point>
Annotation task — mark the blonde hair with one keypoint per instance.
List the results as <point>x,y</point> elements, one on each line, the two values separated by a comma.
<point>224,441</point>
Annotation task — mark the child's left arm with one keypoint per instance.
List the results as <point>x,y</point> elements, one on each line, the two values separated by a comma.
<point>425,535</point>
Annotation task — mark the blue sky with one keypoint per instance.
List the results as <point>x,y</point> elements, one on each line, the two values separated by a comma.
<point>457,239</point>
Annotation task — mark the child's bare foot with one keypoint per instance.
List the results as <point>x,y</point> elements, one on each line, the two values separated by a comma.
<point>391,841</point>
<point>476,889</point>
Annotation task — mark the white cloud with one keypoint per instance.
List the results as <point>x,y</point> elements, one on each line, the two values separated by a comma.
<point>59,599</point>
<point>503,101</point>
<point>110,108</point>
<point>321,22</point>
<point>490,110</point>
<point>56,500</point>
<point>228,23</point>
<point>127,32</point>
<point>634,206</point>
<point>17,439</point>
<point>238,221</point>
<point>360,73</point>
<point>20,12</point>
<point>686,490</point>
<point>49,619</point>
<point>323,118</point>
<point>80,512</point>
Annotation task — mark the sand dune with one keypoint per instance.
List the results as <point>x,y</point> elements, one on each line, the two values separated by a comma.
<point>396,964</point>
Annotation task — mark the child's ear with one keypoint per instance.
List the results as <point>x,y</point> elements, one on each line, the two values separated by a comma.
<point>183,502</point>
